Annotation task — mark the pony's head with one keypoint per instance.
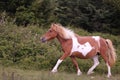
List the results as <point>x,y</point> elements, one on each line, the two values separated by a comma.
<point>50,34</point>
<point>57,30</point>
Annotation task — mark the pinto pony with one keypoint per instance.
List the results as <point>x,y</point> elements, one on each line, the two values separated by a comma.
<point>84,47</point>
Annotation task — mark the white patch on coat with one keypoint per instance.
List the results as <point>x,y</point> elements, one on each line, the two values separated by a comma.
<point>82,48</point>
<point>97,39</point>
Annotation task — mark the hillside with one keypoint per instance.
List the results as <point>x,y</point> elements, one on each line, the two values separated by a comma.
<point>20,47</point>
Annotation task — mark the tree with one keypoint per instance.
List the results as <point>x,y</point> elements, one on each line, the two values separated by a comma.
<point>92,15</point>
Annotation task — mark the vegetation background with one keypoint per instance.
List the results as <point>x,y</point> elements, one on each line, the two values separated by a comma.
<point>22,22</point>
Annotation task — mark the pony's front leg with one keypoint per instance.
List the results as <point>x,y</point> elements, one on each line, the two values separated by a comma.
<point>59,62</point>
<point>56,66</point>
<point>76,65</point>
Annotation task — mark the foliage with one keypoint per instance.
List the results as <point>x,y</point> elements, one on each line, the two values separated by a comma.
<point>88,14</point>
<point>21,47</point>
<point>43,10</point>
<point>24,16</point>
<point>91,15</point>
<point>12,5</point>
<point>115,3</point>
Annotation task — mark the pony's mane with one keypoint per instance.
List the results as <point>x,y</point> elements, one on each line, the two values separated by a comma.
<point>64,32</point>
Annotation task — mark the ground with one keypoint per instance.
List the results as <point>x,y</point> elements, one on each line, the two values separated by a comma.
<point>18,74</point>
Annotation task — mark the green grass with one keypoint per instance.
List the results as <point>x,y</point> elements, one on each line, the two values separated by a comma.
<point>17,74</point>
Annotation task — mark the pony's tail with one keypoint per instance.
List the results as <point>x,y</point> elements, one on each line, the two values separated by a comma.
<point>111,53</point>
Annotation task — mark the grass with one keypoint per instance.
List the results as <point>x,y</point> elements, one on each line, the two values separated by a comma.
<point>18,74</point>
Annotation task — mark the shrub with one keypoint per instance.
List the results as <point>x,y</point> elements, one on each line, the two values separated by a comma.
<point>21,47</point>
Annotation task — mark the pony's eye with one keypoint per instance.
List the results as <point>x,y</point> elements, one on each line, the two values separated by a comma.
<point>50,30</point>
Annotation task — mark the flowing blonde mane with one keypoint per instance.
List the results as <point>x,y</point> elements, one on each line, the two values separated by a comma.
<point>63,32</point>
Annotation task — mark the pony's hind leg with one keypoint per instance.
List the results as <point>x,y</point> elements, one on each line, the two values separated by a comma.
<point>109,70</point>
<point>76,65</point>
<point>96,63</point>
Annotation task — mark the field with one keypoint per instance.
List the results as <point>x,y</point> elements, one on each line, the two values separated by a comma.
<point>24,57</point>
<point>9,73</point>
<point>22,23</point>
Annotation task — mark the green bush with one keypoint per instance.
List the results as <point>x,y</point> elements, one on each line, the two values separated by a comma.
<point>21,47</point>
<point>24,16</point>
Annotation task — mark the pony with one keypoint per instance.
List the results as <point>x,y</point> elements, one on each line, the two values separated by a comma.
<point>84,47</point>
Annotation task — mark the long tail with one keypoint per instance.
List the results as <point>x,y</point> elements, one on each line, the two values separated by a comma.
<point>111,52</point>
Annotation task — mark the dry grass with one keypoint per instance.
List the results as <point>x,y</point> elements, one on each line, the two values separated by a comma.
<point>17,74</point>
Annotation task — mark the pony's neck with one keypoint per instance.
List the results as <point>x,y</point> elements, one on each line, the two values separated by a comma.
<point>61,40</point>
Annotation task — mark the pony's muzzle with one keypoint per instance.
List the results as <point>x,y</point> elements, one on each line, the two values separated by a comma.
<point>43,39</point>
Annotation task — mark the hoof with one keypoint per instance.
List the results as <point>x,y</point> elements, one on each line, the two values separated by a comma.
<point>53,71</point>
<point>79,73</point>
<point>89,73</point>
<point>108,76</point>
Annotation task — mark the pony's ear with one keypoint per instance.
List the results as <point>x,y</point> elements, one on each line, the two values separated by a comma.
<point>54,27</point>
<point>53,24</point>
